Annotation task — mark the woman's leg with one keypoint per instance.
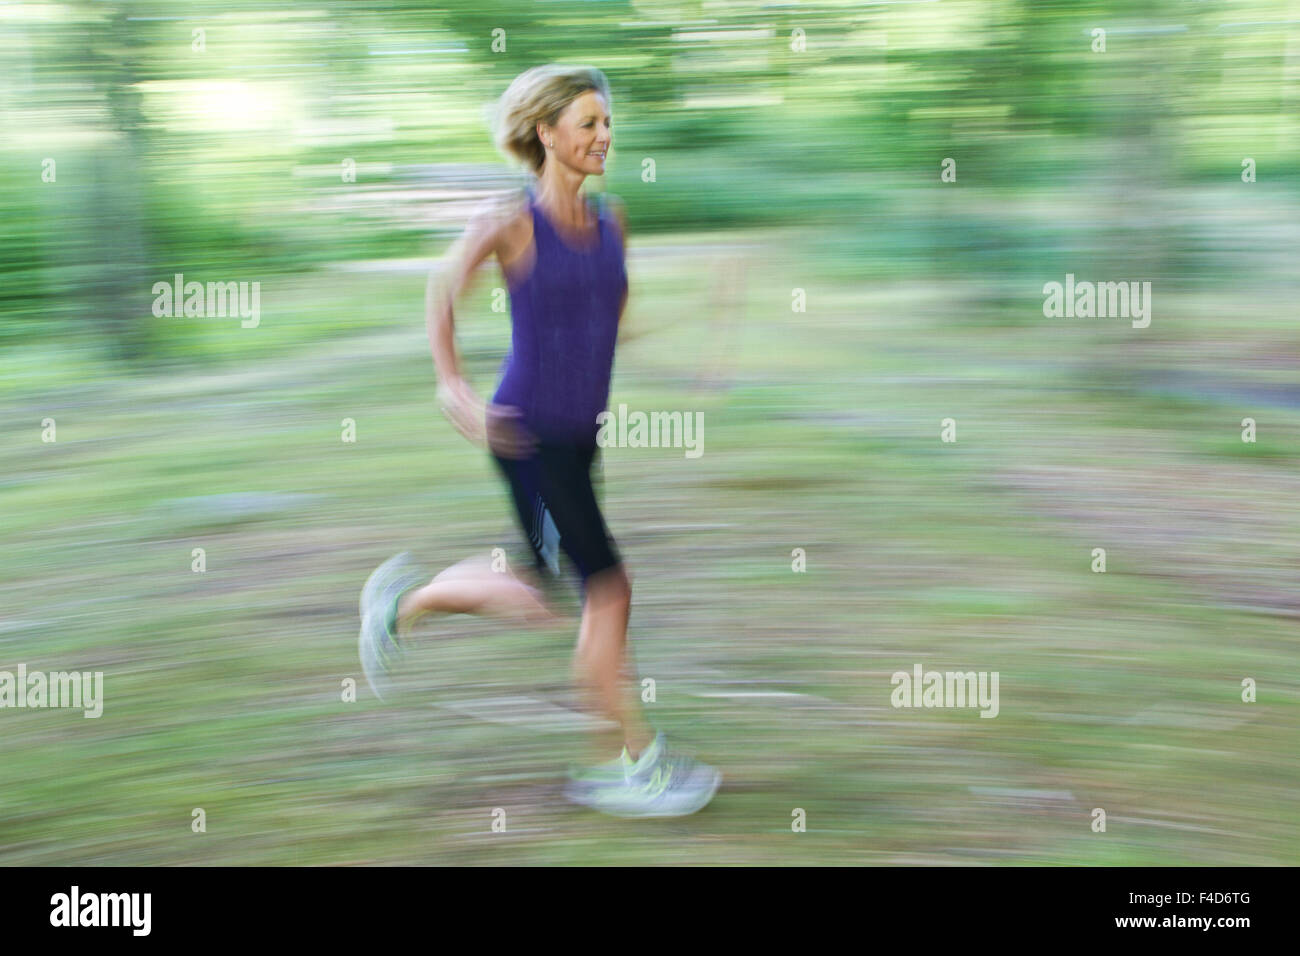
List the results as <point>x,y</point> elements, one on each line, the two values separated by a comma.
<point>473,587</point>
<point>601,666</point>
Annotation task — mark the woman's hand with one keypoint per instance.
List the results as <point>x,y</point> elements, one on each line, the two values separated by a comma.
<point>507,436</point>
<point>499,427</point>
<point>463,409</point>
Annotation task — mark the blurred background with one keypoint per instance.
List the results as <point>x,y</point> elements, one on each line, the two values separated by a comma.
<point>842,218</point>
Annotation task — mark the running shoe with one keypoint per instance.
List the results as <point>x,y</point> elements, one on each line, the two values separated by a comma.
<point>379,645</point>
<point>661,783</point>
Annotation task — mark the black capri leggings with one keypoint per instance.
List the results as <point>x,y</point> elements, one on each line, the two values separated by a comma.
<point>557,509</point>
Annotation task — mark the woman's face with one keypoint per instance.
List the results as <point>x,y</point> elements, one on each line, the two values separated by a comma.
<point>582,136</point>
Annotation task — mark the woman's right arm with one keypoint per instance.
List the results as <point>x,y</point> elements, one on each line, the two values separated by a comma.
<point>481,239</point>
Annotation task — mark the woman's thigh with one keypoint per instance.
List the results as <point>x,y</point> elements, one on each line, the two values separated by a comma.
<point>557,509</point>
<point>571,500</point>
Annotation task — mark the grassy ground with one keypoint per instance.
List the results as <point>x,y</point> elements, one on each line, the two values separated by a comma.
<point>1119,691</point>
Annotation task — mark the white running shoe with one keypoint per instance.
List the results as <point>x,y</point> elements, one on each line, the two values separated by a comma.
<point>378,643</point>
<point>660,784</point>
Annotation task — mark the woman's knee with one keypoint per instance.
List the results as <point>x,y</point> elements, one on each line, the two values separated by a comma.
<point>610,586</point>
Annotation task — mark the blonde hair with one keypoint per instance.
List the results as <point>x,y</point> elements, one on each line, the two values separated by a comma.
<point>539,95</point>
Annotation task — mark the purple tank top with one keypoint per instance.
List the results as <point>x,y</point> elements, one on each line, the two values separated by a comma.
<point>564,323</point>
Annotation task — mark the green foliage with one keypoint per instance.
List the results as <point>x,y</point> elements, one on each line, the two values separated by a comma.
<point>225,161</point>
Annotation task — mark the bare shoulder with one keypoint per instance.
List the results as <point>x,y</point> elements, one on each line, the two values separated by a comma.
<point>498,218</point>
<point>492,229</point>
<point>506,218</point>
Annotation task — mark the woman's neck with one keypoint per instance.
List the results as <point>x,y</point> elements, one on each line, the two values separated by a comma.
<point>564,202</point>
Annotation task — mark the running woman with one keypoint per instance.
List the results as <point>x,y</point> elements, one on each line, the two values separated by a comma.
<point>563,262</point>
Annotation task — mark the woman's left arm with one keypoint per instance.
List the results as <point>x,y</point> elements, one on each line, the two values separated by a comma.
<point>620,216</point>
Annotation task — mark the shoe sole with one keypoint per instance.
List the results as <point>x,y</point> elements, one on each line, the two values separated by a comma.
<point>376,676</point>
<point>370,665</point>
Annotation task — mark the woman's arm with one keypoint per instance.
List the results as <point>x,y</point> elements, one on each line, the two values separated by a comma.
<point>446,283</point>
<point>620,216</point>
<point>481,239</point>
